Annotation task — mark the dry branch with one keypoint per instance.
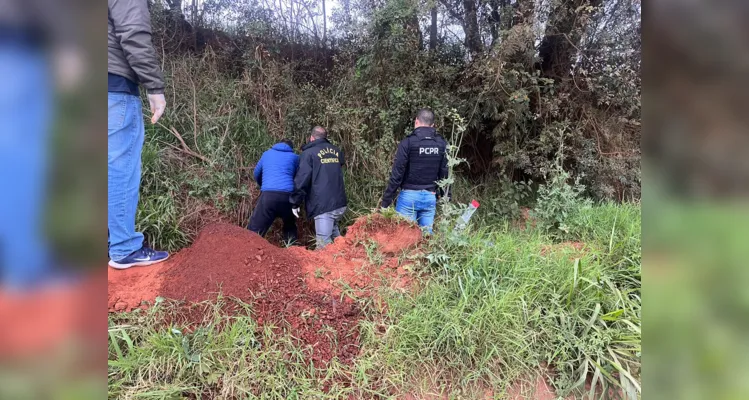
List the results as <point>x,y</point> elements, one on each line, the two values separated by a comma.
<point>185,149</point>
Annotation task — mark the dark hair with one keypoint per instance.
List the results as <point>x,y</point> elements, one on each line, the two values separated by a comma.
<point>289,142</point>
<point>425,116</point>
<point>319,132</point>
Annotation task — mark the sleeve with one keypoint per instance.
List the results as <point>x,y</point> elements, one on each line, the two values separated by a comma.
<point>396,176</point>
<point>444,171</point>
<point>343,158</point>
<point>258,173</point>
<point>302,180</point>
<point>132,26</point>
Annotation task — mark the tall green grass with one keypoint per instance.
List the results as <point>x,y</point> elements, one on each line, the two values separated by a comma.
<point>501,303</point>
<point>497,305</point>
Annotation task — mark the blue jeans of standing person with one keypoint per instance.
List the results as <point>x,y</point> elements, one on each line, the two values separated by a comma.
<point>126,135</point>
<point>419,206</point>
<point>326,227</point>
<point>25,106</point>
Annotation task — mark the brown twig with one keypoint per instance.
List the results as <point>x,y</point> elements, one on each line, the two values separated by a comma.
<point>194,112</point>
<point>184,148</point>
<point>598,144</point>
<point>226,131</point>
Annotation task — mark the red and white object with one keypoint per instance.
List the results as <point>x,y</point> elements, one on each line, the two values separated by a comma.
<point>467,214</point>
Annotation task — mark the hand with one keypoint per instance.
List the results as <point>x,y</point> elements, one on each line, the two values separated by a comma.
<point>158,104</point>
<point>295,211</point>
<point>69,68</point>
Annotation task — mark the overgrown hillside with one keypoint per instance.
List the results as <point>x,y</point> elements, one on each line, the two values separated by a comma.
<point>539,297</point>
<point>543,88</point>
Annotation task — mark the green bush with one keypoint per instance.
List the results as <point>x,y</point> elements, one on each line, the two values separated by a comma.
<point>556,201</point>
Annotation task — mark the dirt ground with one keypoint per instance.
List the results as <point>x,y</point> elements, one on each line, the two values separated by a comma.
<point>295,286</point>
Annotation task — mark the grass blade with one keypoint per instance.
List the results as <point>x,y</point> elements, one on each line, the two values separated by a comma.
<point>576,269</point>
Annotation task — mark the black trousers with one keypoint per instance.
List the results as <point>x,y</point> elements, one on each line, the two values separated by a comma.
<point>272,205</point>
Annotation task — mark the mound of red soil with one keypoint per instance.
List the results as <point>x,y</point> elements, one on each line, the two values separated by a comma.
<point>295,288</point>
<point>230,260</point>
<point>369,255</point>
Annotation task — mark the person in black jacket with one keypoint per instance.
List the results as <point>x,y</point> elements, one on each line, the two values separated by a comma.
<point>420,162</point>
<point>319,183</point>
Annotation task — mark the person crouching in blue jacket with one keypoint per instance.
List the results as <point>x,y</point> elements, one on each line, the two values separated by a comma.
<point>274,173</point>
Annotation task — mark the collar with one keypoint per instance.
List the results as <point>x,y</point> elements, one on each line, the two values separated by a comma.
<point>425,132</point>
<point>314,143</point>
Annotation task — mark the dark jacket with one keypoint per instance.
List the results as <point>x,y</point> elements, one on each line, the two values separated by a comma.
<point>276,169</point>
<point>420,162</point>
<point>319,180</point>
<point>36,23</point>
<point>130,51</point>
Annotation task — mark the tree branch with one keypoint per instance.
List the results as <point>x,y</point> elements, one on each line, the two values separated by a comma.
<point>185,148</point>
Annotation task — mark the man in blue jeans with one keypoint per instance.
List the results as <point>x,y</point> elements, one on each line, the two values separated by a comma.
<point>420,162</point>
<point>131,61</point>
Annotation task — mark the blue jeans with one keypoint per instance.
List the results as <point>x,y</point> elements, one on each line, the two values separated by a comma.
<point>326,227</point>
<point>419,206</point>
<point>126,135</point>
<point>25,108</point>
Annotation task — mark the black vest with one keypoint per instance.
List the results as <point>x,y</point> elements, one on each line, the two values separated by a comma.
<point>426,150</point>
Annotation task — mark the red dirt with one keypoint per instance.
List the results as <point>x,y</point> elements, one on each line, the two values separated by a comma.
<point>577,248</point>
<point>346,260</point>
<point>537,388</point>
<point>47,320</point>
<point>280,284</point>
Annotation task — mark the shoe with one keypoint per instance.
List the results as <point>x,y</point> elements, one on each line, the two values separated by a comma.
<point>142,257</point>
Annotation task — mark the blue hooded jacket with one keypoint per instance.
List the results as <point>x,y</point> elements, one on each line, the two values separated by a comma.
<point>276,169</point>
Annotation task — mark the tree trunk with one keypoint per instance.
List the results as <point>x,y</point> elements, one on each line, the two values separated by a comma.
<point>522,12</point>
<point>324,25</point>
<point>471,27</point>
<point>433,29</point>
<point>194,13</point>
<point>292,25</point>
<point>494,20</point>
<point>282,30</point>
<point>412,25</point>
<point>567,22</point>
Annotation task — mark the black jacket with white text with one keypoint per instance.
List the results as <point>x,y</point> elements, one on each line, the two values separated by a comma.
<point>319,179</point>
<point>420,162</point>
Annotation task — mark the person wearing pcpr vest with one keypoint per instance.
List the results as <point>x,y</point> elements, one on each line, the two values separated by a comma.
<point>319,183</point>
<point>274,173</point>
<point>420,162</point>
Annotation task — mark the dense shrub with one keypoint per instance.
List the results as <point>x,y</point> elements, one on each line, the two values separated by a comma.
<point>241,76</point>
